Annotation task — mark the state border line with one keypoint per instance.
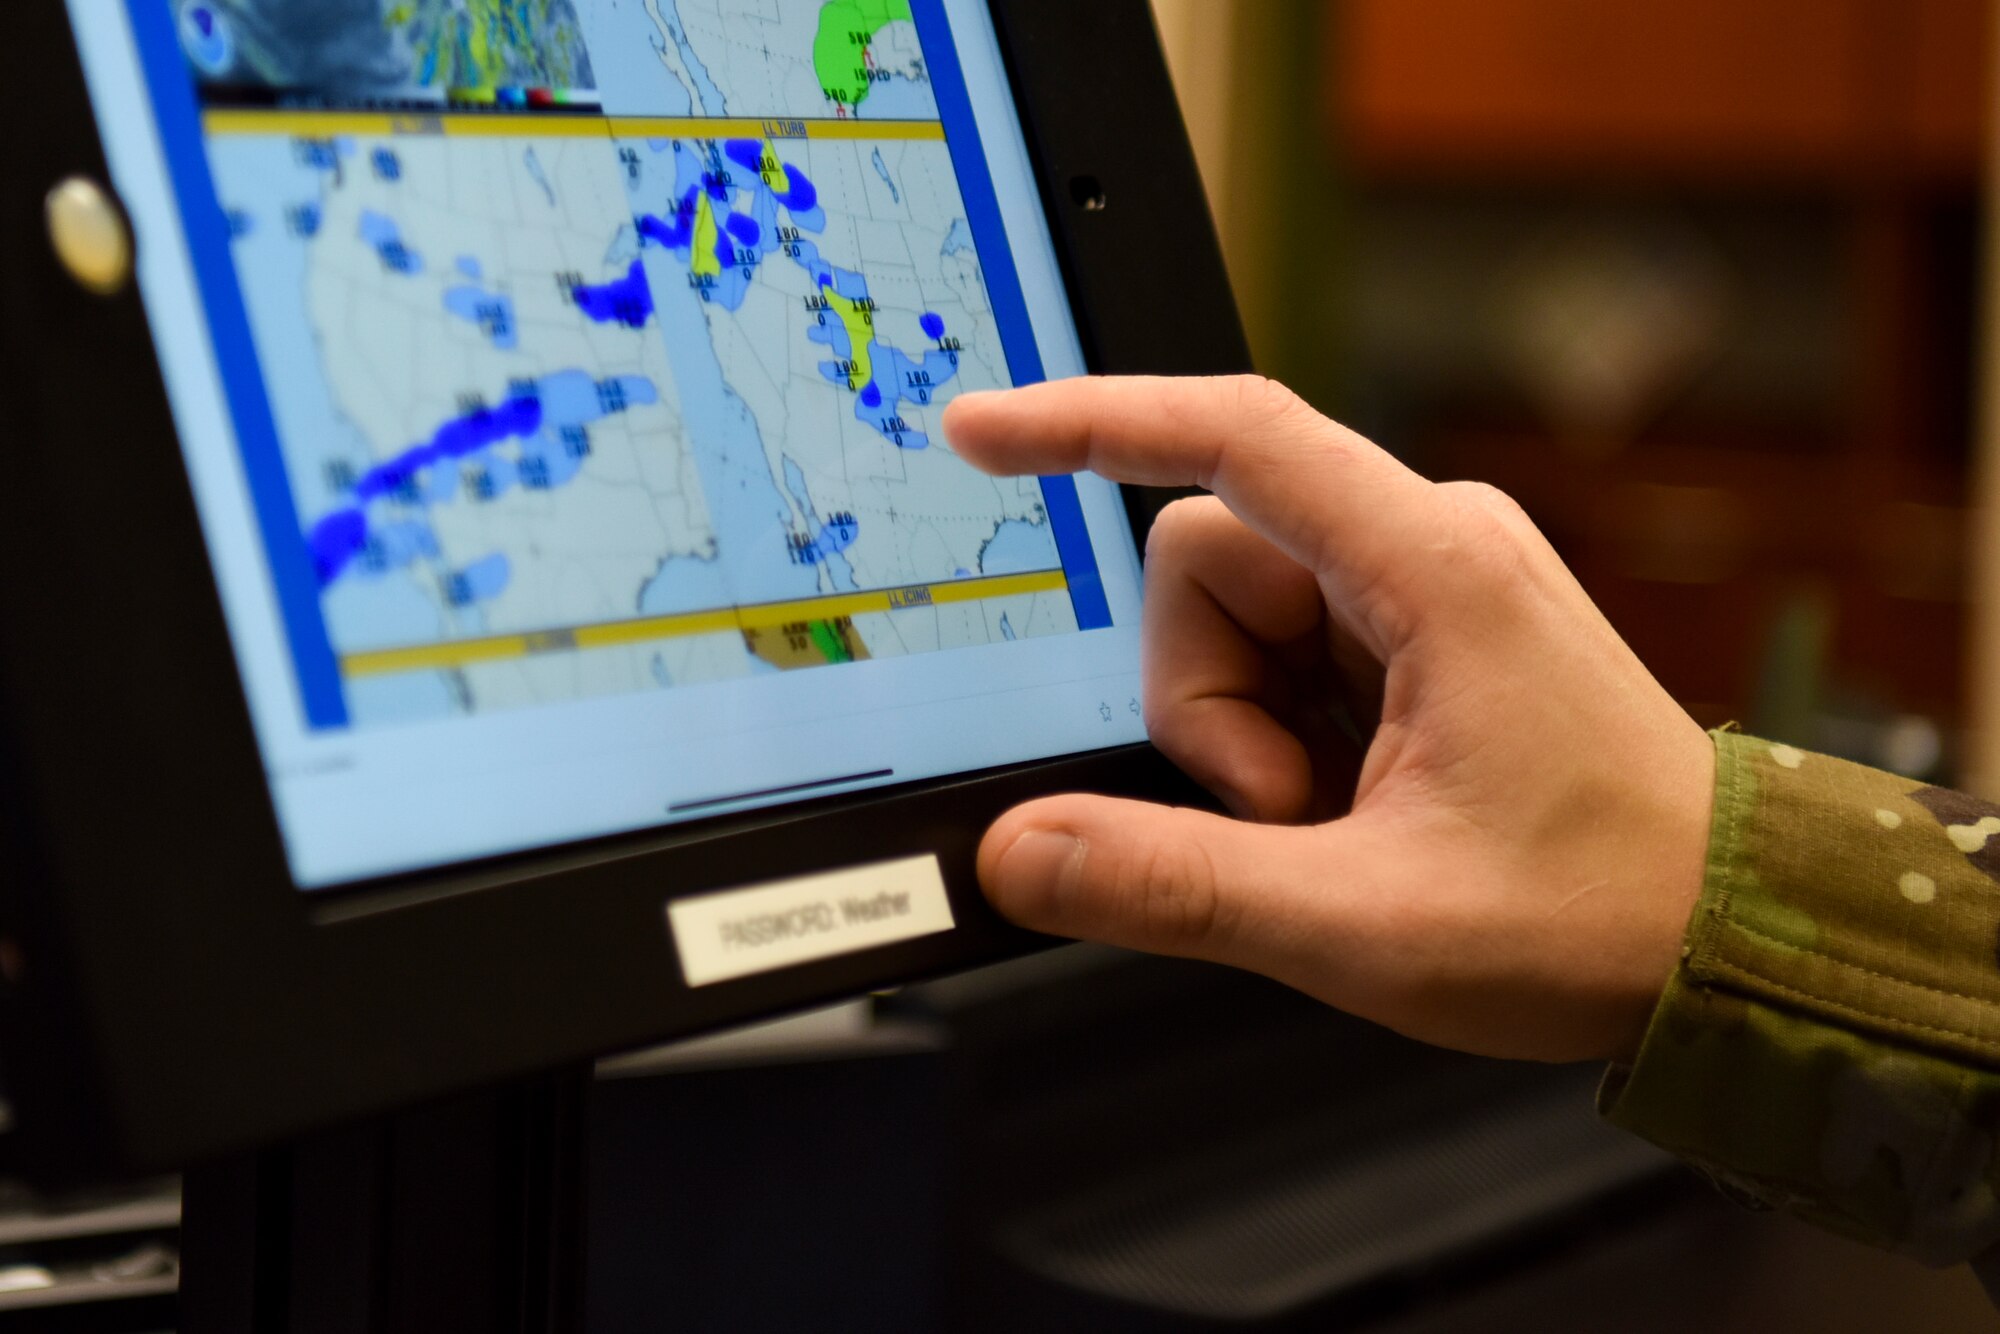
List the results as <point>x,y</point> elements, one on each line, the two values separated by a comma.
<point>555,125</point>
<point>681,625</point>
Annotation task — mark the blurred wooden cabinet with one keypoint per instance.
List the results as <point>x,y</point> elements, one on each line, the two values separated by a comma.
<point>1869,116</point>
<point>1802,87</point>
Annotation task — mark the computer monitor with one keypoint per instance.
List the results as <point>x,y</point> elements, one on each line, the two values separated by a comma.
<point>490,585</point>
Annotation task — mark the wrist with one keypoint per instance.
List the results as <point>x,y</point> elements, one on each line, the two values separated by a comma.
<point>1672,845</point>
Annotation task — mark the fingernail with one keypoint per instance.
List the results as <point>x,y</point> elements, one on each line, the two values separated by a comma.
<point>1039,869</point>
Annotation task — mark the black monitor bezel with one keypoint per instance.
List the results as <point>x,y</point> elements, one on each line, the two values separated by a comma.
<point>166,993</point>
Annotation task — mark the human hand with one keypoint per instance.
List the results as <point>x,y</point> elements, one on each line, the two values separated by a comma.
<point>1509,866</point>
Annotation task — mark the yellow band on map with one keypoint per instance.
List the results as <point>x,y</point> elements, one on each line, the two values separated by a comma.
<point>328,124</point>
<point>764,616</point>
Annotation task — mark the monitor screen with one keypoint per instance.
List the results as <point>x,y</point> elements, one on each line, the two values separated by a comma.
<point>560,381</point>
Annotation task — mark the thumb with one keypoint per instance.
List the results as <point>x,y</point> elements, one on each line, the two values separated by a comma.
<point>1146,877</point>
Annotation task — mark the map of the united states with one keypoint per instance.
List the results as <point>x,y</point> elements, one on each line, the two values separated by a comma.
<point>635,399</point>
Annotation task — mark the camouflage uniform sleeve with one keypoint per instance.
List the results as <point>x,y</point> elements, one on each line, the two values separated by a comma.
<point>1830,1043</point>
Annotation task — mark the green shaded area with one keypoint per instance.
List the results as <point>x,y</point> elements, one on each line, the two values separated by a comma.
<point>828,641</point>
<point>846,30</point>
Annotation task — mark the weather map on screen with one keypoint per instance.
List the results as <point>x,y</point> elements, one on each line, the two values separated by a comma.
<point>604,343</point>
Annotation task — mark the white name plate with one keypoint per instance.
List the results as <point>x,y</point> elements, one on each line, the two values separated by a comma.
<point>740,932</point>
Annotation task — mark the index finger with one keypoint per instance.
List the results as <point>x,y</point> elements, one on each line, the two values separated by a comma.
<point>1329,499</point>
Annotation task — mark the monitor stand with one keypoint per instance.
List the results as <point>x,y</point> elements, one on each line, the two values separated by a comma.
<point>461,1215</point>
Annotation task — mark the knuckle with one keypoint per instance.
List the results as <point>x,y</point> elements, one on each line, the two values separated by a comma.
<point>1489,533</point>
<point>1262,399</point>
<point>1488,499</point>
<point>1172,894</point>
<point>1263,416</point>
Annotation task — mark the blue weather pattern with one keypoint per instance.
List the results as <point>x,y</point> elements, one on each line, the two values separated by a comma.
<point>735,205</point>
<point>548,419</point>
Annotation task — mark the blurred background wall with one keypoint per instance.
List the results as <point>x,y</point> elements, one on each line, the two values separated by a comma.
<point>1698,281</point>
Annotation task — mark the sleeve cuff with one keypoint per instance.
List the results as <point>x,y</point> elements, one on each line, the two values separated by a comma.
<point>1828,1044</point>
